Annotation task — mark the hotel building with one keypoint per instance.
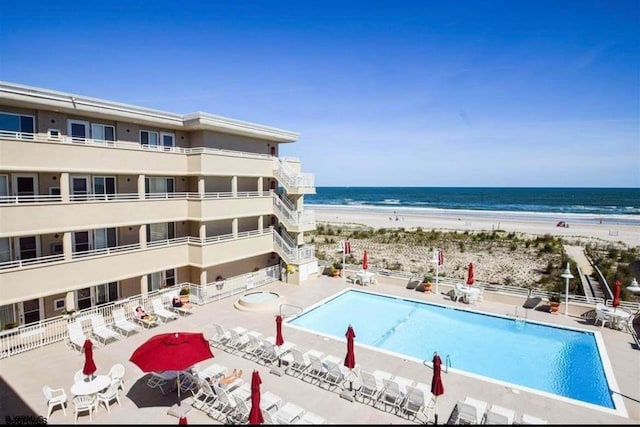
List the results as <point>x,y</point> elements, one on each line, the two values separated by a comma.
<point>100,201</point>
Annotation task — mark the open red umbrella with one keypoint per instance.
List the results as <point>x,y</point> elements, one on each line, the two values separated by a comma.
<point>350,358</point>
<point>437,388</point>
<point>365,261</point>
<point>616,293</point>
<point>89,365</point>
<point>470,279</point>
<point>279,337</point>
<point>255,416</point>
<point>174,351</point>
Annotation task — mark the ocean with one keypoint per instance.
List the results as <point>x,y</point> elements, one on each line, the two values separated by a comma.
<point>620,205</point>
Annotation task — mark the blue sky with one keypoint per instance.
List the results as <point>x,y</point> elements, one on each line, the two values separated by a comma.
<point>395,93</point>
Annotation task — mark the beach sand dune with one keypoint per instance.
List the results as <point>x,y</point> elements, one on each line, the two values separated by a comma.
<point>518,264</point>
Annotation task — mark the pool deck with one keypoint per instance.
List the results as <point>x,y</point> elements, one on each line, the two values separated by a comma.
<point>24,375</point>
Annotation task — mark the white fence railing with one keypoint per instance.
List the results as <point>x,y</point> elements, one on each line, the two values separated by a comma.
<point>35,335</point>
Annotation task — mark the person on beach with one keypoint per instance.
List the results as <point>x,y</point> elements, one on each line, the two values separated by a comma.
<point>225,381</point>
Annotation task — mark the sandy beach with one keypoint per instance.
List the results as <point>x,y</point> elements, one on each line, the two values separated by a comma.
<point>493,264</point>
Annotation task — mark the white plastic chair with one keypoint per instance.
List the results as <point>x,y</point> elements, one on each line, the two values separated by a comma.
<point>111,393</point>
<point>55,397</point>
<point>116,373</point>
<point>83,404</point>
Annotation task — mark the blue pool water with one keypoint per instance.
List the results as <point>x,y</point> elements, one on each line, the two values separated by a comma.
<point>556,360</point>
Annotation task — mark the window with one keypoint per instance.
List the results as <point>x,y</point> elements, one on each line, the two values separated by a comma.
<point>148,137</point>
<point>58,304</point>
<point>31,311</point>
<point>104,186</point>
<point>56,248</point>
<point>5,249</point>
<point>105,238</point>
<point>54,133</point>
<point>106,293</point>
<point>167,139</point>
<point>103,132</point>
<point>17,123</point>
<point>81,241</point>
<point>78,130</point>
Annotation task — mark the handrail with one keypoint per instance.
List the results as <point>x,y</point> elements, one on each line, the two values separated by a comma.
<point>300,309</point>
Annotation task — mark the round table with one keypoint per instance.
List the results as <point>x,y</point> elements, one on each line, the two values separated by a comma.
<point>617,316</point>
<point>82,388</point>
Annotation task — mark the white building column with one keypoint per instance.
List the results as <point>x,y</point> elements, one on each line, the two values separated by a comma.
<point>234,227</point>
<point>143,284</point>
<point>67,245</point>
<point>141,189</point>
<point>260,222</point>
<point>64,187</point>
<point>202,231</point>
<point>260,184</point>
<point>203,277</point>
<point>142,236</point>
<point>201,186</point>
<point>234,185</point>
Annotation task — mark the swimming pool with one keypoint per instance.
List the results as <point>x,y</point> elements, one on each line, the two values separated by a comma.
<point>561,361</point>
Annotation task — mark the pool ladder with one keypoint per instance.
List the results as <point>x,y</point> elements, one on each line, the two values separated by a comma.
<point>447,363</point>
<point>518,318</point>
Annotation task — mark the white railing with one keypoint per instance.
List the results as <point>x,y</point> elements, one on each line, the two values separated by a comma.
<point>102,197</point>
<point>35,335</point>
<point>292,217</point>
<point>293,255</point>
<point>133,247</point>
<point>30,198</point>
<point>129,145</point>
<point>289,178</point>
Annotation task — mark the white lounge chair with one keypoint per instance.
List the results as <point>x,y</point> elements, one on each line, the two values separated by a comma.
<point>317,371</point>
<point>311,418</point>
<point>371,387</point>
<point>300,362</point>
<point>499,415</point>
<point>336,373</point>
<point>289,413</point>
<point>122,324</point>
<point>221,336</point>
<point>76,337</point>
<point>204,398</point>
<point>146,323</point>
<point>414,402</point>
<point>101,331</point>
<point>391,395</point>
<point>161,312</point>
<point>530,419</point>
<point>458,292</point>
<point>471,411</point>
<point>237,340</point>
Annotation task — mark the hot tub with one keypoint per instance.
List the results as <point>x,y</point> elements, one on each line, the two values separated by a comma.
<point>258,300</point>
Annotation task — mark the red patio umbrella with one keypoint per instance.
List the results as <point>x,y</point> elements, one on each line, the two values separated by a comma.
<point>279,337</point>
<point>174,351</point>
<point>255,416</point>
<point>350,358</point>
<point>365,261</point>
<point>436,382</point>
<point>616,293</point>
<point>470,279</point>
<point>89,365</point>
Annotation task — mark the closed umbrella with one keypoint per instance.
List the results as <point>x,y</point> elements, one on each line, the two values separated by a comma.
<point>89,365</point>
<point>350,358</point>
<point>183,420</point>
<point>279,337</point>
<point>616,293</point>
<point>437,388</point>
<point>470,279</point>
<point>174,351</point>
<point>255,416</point>
<point>365,261</point>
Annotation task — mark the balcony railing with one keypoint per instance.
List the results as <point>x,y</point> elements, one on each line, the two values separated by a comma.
<point>35,335</point>
<point>135,246</point>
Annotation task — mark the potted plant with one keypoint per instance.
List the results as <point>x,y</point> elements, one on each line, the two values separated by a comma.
<point>554,302</point>
<point>185,291</point>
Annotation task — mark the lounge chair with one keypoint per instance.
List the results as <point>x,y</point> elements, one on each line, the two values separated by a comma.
<point>76,337</point>
<point>530,419</point>
<point>122,324</point>
<point>317,370</point>
<point>499,415</point>
<point>532,302</point>
<point>471,411</point>
<point>165,381</point>
<point>221,336</point>
<point>458,292</point>
<point>336,373</point>
<point>311,418</point>
<point>289,413</point>
<point>371,387</point>
<point>146,323</point>
<point>237,341</point>
<point>160,311</point>
<point>255,347</point>
<point>391,395</point>
<point>204,398</point>
<point>414,402</point>
<point>300,362</point>
<point>101,331</point>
